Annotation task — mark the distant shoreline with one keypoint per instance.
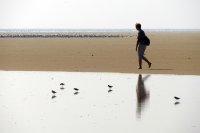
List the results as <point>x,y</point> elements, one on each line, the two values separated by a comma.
<point>65,34</point>
<point>81,33</point>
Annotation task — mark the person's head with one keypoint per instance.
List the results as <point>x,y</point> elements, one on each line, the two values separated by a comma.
<point>138,26</point>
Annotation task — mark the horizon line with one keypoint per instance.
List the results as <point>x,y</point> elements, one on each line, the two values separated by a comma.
<point>93,29</point>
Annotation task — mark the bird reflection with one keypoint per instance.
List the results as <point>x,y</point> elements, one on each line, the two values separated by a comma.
<point>142,94</point>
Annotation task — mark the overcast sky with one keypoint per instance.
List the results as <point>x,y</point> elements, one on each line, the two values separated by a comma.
<point>99,14</point>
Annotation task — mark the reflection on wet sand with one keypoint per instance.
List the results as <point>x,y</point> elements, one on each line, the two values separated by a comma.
<point>142,94</point>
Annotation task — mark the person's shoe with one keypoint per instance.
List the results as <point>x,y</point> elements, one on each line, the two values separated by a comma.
<point>139,67</point>
<point>150,65</point>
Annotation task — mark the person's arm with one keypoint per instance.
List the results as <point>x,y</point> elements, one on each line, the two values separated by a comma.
<point>138,40</point>
<point>137,44</point>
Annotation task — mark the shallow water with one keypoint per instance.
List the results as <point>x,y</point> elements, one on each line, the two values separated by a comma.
<point>135,103</point>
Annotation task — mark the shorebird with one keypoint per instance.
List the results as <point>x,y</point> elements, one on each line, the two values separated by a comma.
<point>110,86</point>
<point>177,98</point>
<point>62,84</point>
<point>76,89</point>
<point>54,92</point>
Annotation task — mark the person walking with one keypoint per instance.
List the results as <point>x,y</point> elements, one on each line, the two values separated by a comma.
<point>141,46</point>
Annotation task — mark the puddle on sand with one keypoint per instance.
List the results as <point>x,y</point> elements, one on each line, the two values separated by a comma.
<point>98,102</point>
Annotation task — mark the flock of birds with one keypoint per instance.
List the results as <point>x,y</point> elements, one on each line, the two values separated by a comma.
<point>109,90</point>
<point>75,89</point>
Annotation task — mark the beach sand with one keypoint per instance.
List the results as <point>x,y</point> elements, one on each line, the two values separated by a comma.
<point>169,52</point>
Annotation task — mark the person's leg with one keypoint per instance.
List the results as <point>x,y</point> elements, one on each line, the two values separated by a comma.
<point>140,55</point>
<point>140,64</point>
<point>145,59</point>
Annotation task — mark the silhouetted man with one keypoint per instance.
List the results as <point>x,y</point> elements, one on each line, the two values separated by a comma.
<point>140,46</point>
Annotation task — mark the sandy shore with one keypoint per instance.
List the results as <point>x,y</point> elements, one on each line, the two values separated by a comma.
<point>170,53</point>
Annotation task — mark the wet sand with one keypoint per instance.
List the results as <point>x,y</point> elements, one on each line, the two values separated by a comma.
<point>137,103</point>
<point>170,53</point>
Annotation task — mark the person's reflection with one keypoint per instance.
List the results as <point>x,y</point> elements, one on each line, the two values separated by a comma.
<point>142,94</point>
